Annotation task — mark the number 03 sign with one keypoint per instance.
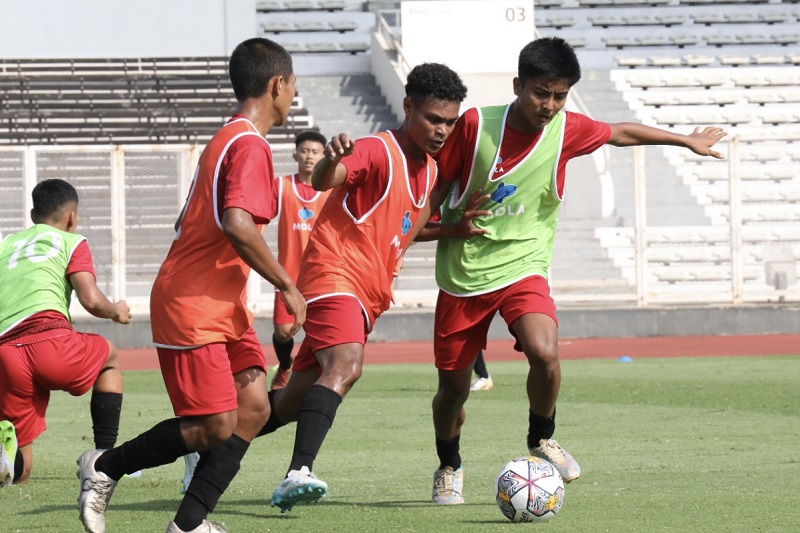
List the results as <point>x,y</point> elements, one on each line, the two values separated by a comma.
<point>469,36</point>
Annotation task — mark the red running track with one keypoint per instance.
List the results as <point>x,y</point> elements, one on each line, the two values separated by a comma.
<point>502,350</point>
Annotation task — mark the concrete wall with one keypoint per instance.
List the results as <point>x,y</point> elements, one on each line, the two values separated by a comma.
<point>401,325</point>
<point>36,29</point>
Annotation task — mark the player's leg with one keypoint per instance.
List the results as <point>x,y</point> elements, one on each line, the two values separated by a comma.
<point>530,313</point>
<point>335,346</point>
<point>22,410</point>
<point>460,329</point>
<point>340,369</point>
<point>448,417</point>
<point>105,404</point>
<point>218,466</point>
<point>13,457</point>
<point>282,342</point>
<point>202,392</point>
<point>482,381</point>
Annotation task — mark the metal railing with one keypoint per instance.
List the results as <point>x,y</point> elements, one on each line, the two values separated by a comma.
<point>130,196</point>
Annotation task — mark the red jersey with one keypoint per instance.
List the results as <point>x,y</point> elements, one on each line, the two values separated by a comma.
<point>199,294</point>
<point>357,240</point>
<point>582,136</point>
<point>298,209</point>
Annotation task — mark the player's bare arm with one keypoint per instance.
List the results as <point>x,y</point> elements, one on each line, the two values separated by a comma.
<point>328,173</point>
<point>95,302</point>
<point>246,239</point>
<point>465,228</point>
<point>699,141</point>
<point>180,217</point>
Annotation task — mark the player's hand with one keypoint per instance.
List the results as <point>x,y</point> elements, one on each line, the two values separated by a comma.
<point>296,305</point>
<point>399,266</point>
<point>700,142</point>
<point>122,313</point>
<point>339,146</point>
<point>466,228</point>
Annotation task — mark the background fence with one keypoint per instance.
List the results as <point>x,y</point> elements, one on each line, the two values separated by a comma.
<point>741,247</point>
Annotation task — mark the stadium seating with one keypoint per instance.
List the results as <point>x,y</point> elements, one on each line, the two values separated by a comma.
<point>144,100</point>
<point>680,64</point>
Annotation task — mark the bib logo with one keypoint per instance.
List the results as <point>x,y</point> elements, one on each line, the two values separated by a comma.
<point>405,227</point>
<point>502,192</point>
<point>305,215</point>
<point>498,166</point>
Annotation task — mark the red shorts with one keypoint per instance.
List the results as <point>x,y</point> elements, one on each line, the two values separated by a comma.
<point>33,365</point>
<point>462,323</point>
<point>280,315</point>
<point>199,380</point>
<point>330,321</point>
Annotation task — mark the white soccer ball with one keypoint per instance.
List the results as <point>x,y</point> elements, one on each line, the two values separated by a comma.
<point>529,489</point>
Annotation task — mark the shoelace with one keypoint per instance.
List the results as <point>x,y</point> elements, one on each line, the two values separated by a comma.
<point>444,482</point>
<point>558,455</point>
<point>214,527</point>
<point>103,490</point>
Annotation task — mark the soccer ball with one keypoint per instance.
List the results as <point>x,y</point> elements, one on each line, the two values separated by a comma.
<point>529,489</point>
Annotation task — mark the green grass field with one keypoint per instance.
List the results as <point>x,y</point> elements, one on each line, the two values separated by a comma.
<point>684,445</point>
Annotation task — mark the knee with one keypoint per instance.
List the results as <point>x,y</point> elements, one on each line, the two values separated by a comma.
<point>113,356</point>
<point>254,413</point>
<point>281,334</point>
<point>542,353</point>
<point>452,393</point>
<point>218,428</point>
<point>346,368</point>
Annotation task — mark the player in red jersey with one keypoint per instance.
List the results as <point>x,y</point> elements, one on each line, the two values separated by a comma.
<point>212,363</point>
<point>298,207</point>
<point>39,349</point>
<point>379,201</point>
<point>517,155</point>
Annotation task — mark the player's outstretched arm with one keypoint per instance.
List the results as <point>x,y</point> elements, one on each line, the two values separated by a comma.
<point>699,141</point>
<point>328,173</point>
<point>243,234</point>
<point>465,228</point>
<point>95,302</point>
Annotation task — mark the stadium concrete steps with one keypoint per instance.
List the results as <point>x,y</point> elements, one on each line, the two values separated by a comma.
<point>352,104</point>
<point>670,201</point>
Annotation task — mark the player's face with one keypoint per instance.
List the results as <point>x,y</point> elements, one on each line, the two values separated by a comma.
<point>539,99</point>
<point>430,122</point>
<point>283,102</point>
<point>307,154</point>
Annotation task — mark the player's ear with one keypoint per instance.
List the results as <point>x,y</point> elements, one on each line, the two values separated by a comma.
<point>407,105</point>
<point>517,86</point>
<point>72,220</point>
<point>275,86</point>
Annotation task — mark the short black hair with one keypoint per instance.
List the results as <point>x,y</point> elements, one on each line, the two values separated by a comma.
<point>549,56</point>
<point>314,136</point>
<point>435,80</point>
<point>50,196</point>
<point>253,63</point>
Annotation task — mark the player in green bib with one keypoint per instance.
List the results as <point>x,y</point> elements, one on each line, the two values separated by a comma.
<point>39,351</point>
<point>515,155</point>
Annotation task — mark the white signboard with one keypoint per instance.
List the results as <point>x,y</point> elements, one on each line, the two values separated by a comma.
<point>467,35</point>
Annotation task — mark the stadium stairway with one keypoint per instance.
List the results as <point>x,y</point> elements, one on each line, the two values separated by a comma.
<point>352,104</point>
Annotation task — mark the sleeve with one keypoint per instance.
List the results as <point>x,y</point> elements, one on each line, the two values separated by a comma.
<point>455,157</point>
<point>583,135</point>
<point>249,178</point>
<point>368,158</point>
<point>81,260</point>
<point>367,175</point>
